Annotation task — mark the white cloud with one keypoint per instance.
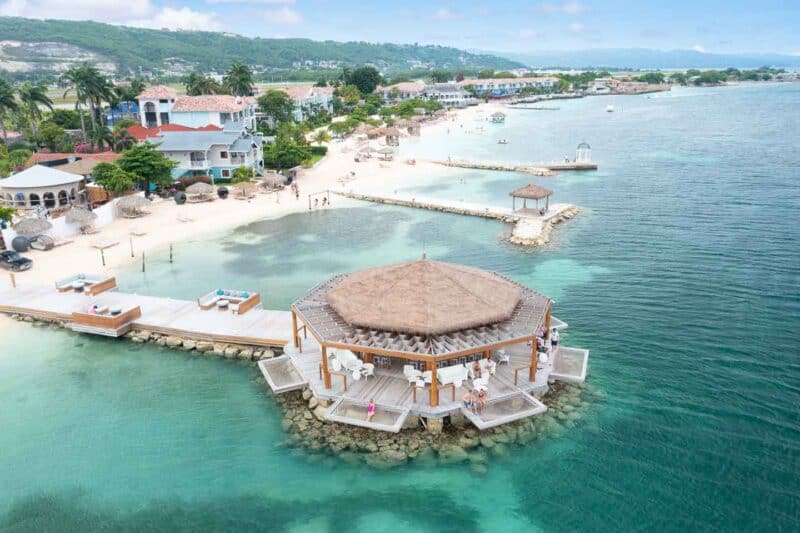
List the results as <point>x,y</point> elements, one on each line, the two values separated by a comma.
<point>273,2</point>
<point>795,53</point>
<point>527,33</point>
<point>113,11</point>
<point>283,15</point>
<point>445,14</point>
<point>180,19</point>
<point>576,27</point>
<point>140,13</point>
<point>568,8</point>
<point>698,48</point>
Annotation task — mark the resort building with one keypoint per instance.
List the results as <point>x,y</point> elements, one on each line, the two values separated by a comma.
<point>500,87</point>
<point>160,105</point>
<point>602,86</point>
<point>140,133</point>
<point>414,337</point>
<point>310,100</point>
<point>449,95</point>
<point>401,91</point>
<point>212,153</point>
<point>40,187</point>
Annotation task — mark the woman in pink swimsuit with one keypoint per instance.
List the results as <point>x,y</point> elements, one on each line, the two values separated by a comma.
<point>370,410</point>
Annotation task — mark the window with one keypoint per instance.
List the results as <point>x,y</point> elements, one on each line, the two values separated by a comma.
<point>162,101</point>
<point>49,200</point>
<point>19,199</point>
<point>223,155</point>
<point>165,118</point>
<point>63,199</point>
<point>34,199</point>
<point>226,173</point>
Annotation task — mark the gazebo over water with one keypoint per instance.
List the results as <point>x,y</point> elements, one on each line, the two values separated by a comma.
<point>531,192</point>
<point>425,313</point>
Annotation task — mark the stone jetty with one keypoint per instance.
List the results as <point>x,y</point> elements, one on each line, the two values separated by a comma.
<point>529,227</point>
<point>504,167</point>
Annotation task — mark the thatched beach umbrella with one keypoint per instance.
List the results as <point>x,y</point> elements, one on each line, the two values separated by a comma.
<point>31,227</point>
<point>273,182</point>
<point>386,153</point>
<point>80,215</point>
<point>133,205</point>
<point>199,188</point>
<point>245,189</point>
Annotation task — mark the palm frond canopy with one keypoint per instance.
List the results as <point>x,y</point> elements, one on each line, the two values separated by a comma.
<point>80,215</point>
<point>199,188</point>
<point>31,227</point>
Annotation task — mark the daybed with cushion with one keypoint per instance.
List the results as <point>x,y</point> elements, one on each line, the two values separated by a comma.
<point>239,302</point>
<point>455,374</point>
<point>87,283</point>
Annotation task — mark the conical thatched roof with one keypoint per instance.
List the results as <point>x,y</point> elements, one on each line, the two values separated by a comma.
<point>386,150</point>
<point>199,188</point>
<point>245,187</point>
<point>133,201</point>
<point>392,132</point>
<point>273,181</point>
<point>532,192</point>
<point>31,227</point>
<point>424,297</point>
<point>80,215</point>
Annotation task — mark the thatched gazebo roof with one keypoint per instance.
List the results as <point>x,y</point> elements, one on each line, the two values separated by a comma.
<point>531,191</point>
<point>31,227</point>
<point>392,132</point>
<point>424,298</point>
<point>80,215</point>
<point>133,205</point>
<point>275,181</point>
<point>199,188</point>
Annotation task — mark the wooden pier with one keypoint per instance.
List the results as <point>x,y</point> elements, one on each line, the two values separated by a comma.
<point>530,228</point>
<point>535,169</point>
<point>166,316</point>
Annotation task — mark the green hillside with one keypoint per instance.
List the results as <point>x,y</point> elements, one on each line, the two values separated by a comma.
<point>131,48</point>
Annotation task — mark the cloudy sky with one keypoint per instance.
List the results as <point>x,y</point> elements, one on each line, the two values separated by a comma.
<point>504,25</point>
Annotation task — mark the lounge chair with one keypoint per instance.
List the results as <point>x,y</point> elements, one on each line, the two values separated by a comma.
<point>349,361</point>
<point>481,383</point>
<point>455,374</point>
<point>411,373</point>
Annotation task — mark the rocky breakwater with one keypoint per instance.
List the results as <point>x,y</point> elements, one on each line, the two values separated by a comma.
<point>228,351</point>
<point>535,231</point>
<point>448,441</point>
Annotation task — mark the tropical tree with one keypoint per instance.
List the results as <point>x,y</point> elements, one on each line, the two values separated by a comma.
<point>322,136</point>
<point>239,79</point>
<point>277,105</point>
<point>7,213</point>
<point>241,174</point>
<point>128,93</point>
<point>102,137</point>
<point>365,78</point>
<point>350,94</point>
<point>75,78</point>
<point>33,97</point>
<point>285,154</point>
<point>113,178</point>
<point>8,104</point>
<point>51,135</point>
<point>123,140</point>
<point>196,84</point>
<point>148,165</point>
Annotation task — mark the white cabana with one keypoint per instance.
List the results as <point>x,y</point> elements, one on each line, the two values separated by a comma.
<point>42,186</point>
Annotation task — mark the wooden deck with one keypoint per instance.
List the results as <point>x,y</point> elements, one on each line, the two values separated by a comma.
<point>167,316</point>
<point>510,394</point>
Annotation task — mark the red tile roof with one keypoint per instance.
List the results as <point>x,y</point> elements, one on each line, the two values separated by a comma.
<point>224,103</point>
<point>158,92</point>
<point>39,157</point>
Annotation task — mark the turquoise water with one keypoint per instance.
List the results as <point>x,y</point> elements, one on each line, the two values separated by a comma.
<point>681,275</point>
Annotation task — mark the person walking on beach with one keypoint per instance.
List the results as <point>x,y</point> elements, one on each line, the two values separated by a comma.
<point>370,409</point>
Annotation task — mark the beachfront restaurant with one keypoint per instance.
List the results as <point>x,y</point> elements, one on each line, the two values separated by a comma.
<point>44,188</point>
<point>416,337</point>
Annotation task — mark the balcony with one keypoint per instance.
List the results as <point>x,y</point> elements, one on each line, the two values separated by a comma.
<point>198,163</point>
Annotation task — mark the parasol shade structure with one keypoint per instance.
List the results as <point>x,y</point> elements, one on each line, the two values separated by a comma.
<point>31,227</point>
<point>80,215</point>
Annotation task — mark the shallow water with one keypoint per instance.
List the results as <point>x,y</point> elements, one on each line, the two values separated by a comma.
<point>681,275</point>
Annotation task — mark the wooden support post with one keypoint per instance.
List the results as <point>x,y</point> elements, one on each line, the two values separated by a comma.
<point>130,241</point>
<point>487,354</point>
<point>367,357</point>
<point>547,321</point>
<point>434,384</point>
<point>142,262</point>
<point>13,280</point>
<point>102,257</point>
<point>534,359</point>
<point>295,336</point>
<point>326,374</point>
<point>170,253</point>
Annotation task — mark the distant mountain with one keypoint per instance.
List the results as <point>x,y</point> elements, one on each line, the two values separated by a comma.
<point>51,45</point>
<point>643,58</point>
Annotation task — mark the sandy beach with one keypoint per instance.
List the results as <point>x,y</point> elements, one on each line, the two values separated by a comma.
<point>169,223</point>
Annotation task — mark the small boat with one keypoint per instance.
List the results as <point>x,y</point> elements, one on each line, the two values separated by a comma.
<point>609,108</point>
<point>502,141</point>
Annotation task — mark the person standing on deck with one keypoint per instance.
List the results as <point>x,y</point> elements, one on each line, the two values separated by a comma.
<point>370,409</point>
<point>554,340</point>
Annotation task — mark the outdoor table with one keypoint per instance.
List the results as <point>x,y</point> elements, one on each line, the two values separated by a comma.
<point>78,286</point>
<point>222,305</point>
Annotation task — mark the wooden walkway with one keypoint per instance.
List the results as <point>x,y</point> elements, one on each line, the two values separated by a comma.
<point>536,169</point>
<point>167,316</point>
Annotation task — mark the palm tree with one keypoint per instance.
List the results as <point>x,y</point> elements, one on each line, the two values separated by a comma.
<point>76,79</point>
<point>239,79</point>
<point>122,139</point>
<point>102,137</point>
<point>321,136</point>
<point>197,84</point>
<point>7,103</point>
<point>32,98</point>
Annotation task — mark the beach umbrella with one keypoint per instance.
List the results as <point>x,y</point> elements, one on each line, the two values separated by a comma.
<point>245,188</point>
<point>386,151</point>
<point>273,182</point>
<point>199,188</point>
<point>80,215</point>
<point>133,205</point>
<point>31,227</point>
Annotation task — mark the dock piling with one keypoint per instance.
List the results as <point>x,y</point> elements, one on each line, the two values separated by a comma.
<point>102,257</point>
<point>130,240</point>
<point>13,279</point>
<point>142,261</point>
<point>170,253</point>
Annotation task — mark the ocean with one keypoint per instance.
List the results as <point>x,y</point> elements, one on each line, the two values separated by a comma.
<point>681,274</point>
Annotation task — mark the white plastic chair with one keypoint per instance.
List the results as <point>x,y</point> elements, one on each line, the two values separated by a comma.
<point>368,370</point>
<point>502,357</point>
<point>481,384</point>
